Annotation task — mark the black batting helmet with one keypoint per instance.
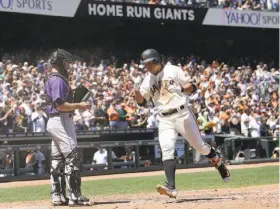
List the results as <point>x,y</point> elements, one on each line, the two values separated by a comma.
<point>59,57</point>
<point>150,55</point>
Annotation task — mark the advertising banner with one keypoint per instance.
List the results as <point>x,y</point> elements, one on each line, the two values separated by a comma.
<point>110,10</point>
<point>142,11</point>
<point>242,18</point>
<point>63,8</point>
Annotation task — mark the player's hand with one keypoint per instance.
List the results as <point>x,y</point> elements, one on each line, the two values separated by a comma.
<point>137,83</point>
<point>175,89</point>
<point>84,106</point>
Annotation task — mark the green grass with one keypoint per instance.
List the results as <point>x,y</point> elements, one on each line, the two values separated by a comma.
<point>190,181</point>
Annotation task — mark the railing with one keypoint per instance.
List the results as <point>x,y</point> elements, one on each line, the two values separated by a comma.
<point>17,171</point>
<point>263,145</point>
<point>228,150</point>
<point>6,137</point>
<point>111,166</point>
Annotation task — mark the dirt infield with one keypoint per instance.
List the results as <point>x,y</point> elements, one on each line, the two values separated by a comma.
<point>256,197</point>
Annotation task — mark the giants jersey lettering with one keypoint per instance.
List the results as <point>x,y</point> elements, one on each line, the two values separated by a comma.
<point>156,87</point>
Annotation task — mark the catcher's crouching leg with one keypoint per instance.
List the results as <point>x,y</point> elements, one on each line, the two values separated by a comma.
<point>73,179</point>
<point>58,181</point>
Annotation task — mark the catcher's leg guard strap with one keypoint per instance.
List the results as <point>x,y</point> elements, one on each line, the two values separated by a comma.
<point>57,174</point>
<point>73,177</point>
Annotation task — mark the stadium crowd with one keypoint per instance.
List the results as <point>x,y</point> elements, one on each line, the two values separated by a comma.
<point>263,5</point>
<point>238,97</point>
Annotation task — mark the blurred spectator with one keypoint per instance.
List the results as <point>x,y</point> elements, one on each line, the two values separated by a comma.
<point>272,5</point>
<point>22,120</point>
<point>113,116</point>
<point>100,115</point>
<point>41,162</point>
<point>276,133</point>
<point>254,125</point>
<point>88,118</point>
<point>38,118</point>
<point>227,92</point>
<point>32,160</point>
<point>148,157</point>
<point>141,122</point>
<point>9,160</point>
<point>245,123</point>
<point>129,155</point>
<point>264,128</point>
<point>101,156</point>
<point>123,117</point>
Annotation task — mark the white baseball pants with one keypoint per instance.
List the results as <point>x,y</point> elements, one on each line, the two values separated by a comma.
<point>182,122</point>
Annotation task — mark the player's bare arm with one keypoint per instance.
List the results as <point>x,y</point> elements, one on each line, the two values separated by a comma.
<point>189,88</point>
<point>73,106</point>
<point>141,101</point>
<point>138,96</point>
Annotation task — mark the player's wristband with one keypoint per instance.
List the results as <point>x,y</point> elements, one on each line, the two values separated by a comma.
<point>143,103</point>
<point>194,88</point>
<point>182,89</point>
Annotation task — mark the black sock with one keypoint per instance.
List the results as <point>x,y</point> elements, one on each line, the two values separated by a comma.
<point>170,168</point>
<point>212,153</point>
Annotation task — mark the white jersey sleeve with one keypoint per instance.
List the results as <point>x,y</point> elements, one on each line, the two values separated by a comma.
<point>181,77</point>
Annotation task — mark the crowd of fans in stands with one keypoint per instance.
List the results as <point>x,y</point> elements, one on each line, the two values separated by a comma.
<point>231,98</point>
<point>266,5</point>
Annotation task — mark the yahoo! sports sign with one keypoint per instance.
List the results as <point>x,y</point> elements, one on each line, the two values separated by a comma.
<point>31,4</point>
<point>65,8</point>
<point>242,18</point>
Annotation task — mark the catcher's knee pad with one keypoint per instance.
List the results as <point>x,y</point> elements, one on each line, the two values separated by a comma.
<point>72,161</point>
<point>57,165</point>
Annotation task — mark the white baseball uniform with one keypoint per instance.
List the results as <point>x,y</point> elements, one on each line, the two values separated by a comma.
<point>183,121</point>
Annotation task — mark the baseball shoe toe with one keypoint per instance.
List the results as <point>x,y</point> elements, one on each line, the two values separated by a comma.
<point>165,190</point>
<point>221,167</point>
<point>81,201</point>
<point>57,200</point>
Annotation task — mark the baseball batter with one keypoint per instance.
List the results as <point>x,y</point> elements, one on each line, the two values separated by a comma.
<point>65,157</point>
<point>168,87</point>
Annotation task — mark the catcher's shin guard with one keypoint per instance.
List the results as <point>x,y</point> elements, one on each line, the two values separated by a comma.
<point>58,181</point>
<point>73,177</point>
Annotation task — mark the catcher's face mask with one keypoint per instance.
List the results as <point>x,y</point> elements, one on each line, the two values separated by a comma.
<point>68,66</point>
<point>62,59</point>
